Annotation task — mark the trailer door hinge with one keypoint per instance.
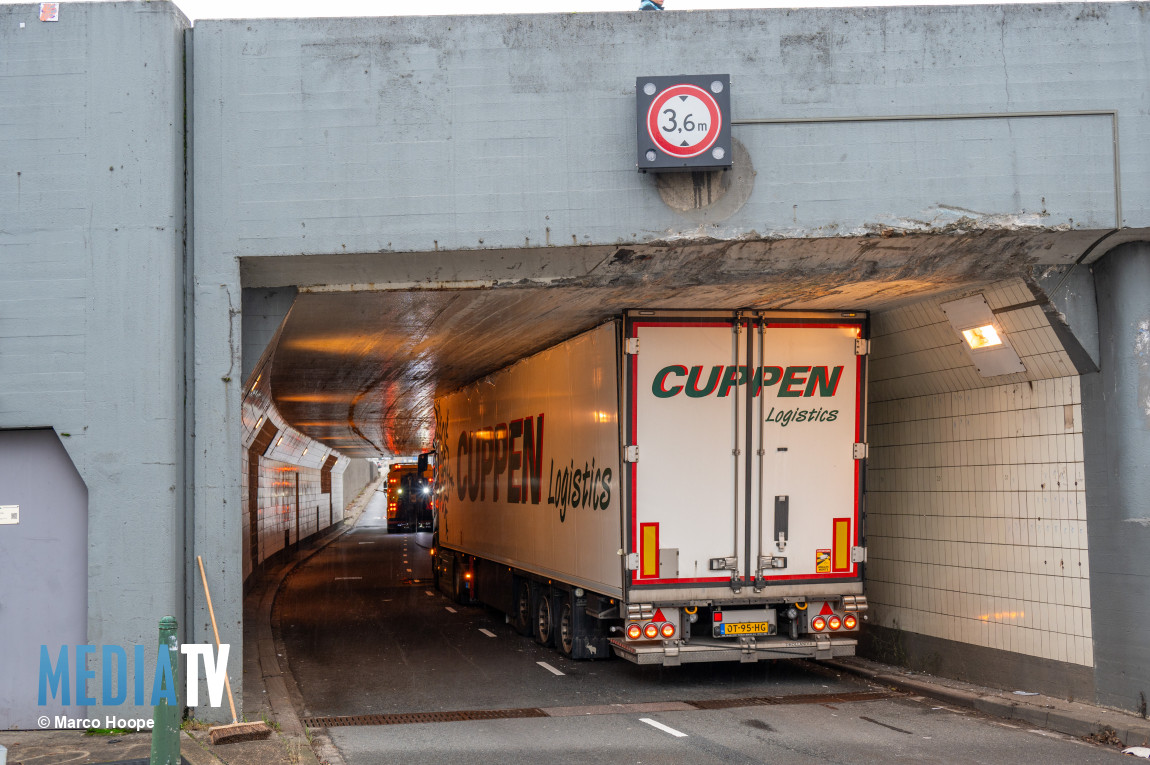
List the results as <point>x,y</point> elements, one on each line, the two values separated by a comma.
<point>860,451</point>
<point>631,346</point>
<point>632,561</point>
<point>858,555</point>
<point>631,454</point>
<point>862,347</point>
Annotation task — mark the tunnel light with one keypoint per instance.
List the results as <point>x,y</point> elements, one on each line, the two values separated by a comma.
<point>981,337</point>
<point>280,440</point>
<point>304,451</point>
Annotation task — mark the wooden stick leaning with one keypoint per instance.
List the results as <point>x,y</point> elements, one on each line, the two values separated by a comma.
<point>237,731</point>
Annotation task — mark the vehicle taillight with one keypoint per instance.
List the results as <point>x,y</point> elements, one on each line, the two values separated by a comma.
<point>850,622</point>
<point>651,631</point>
<point>718,616</point>
<point>835,622</point>
<point>668,630</point>
<point>634,632</point>
<point>818,624</point>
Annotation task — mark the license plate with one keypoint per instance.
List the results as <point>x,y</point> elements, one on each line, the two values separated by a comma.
<point>747,628</point>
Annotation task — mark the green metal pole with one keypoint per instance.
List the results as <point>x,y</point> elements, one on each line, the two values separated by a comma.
<point>166,733</point>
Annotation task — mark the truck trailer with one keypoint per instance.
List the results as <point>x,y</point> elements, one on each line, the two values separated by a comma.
<point>671,486</point>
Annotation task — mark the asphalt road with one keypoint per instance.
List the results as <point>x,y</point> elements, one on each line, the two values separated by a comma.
<point>364,633</point>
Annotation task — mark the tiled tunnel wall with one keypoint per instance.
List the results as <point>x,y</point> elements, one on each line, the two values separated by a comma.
<point>976,492</point>
<point>292,499</point>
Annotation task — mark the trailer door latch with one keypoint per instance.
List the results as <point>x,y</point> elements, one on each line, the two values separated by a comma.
<point>723,564</point>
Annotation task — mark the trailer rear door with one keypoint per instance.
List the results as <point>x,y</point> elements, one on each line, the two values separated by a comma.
<point>746,470</point>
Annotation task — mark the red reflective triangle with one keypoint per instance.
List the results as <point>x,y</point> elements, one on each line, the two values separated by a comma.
<point>827,610</point>
<point>658,617</point>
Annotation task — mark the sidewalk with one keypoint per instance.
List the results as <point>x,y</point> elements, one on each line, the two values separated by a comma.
<point>265,696</point>
<point>1070,717</point>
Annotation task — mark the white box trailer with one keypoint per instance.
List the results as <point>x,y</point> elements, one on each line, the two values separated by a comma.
<point>674,486</point>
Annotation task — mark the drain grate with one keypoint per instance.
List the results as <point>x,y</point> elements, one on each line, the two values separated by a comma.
<point>799,698</point>
<point>408,718</point>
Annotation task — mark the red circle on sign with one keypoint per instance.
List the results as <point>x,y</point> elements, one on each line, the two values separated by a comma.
<point>667,129</point>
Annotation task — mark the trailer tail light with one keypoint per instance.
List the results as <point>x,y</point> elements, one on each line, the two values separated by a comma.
<point>651,631</point>
<point>718,616</point>
<point>668,630</point>
<point>634,632</point>
<point>835,623</point>
<point>850,622</point>
<point>818,624</point>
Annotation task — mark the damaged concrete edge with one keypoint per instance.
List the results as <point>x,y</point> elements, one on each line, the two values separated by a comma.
<point>1070,718</point>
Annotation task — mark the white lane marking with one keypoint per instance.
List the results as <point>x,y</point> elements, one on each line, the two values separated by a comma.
<point>488,633</point>
<point>549,668</point>
<point>347,577</point>
<point>451,610</point>
<point>367,543</point>
<point>430,594</point>
<point>662,727</point>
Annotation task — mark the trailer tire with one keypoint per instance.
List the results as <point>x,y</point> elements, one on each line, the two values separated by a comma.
<point>565,636</point>
<point>458,587</point>
<point>522,616</point>
<point>544,619</point>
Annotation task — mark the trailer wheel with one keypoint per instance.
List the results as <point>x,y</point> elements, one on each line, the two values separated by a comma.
<point>458,586</point>
<point>566,636</point>
<point>544,620</point>
<point>522,616</point>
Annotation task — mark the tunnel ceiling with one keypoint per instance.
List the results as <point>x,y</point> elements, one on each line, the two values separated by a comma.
<point>358,366</point>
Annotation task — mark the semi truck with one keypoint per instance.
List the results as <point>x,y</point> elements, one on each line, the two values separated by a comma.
<point>671,486</point>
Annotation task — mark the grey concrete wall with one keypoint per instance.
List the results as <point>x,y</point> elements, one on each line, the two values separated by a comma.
<point>263,311</point>
<point>423,133</point>
<point>1116,408</point>
<point>91,299</point>
<point>356,476</point>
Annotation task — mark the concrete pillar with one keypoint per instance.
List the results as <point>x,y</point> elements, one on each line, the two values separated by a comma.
<point>1116,434</point>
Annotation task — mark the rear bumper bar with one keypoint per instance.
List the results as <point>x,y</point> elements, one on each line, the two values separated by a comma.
<point>672,654</point>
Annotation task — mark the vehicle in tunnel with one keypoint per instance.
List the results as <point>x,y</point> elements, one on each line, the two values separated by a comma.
<point>402,497</point>
<point>670,487</point>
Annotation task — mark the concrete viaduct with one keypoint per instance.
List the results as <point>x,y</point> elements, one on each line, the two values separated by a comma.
<point>278,239</point>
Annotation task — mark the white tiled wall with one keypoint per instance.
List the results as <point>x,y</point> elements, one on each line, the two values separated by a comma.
<point>289,455</point>
<point>976,501</point>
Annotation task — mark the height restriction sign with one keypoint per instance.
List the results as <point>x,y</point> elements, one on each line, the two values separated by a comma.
<point>683,122</point>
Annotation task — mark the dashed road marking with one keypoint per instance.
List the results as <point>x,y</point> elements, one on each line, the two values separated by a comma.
<point>662,727</point>
<point>338,578</point>
<point>430,594</point>
<point>451,610</point>
<point>367,543</point>
<point>549,668</point>
<point>488,633</point>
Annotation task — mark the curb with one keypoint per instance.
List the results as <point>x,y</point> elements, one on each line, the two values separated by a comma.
<point>1071,718</point>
